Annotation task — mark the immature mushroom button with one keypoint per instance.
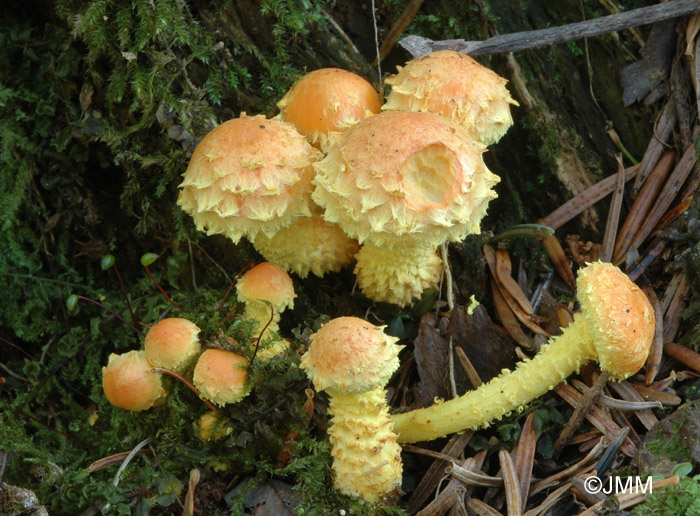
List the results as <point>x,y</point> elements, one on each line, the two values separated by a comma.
<point>327,101</point>
<point>403,183</point>
<point>615,327</point>
<point>129,383</point>
<point>172,343</point>
<point>454,85</point>
<point>266,282</point>
<point>221,376</point>
<point>352,360</point>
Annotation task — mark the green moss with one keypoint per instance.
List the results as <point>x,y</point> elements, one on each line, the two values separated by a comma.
<point>676,500</point>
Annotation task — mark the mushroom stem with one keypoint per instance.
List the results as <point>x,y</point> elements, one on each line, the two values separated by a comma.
<point>365,452</point>
<point>511,390</point>
<point>397,275</point>
<point>615,328</point>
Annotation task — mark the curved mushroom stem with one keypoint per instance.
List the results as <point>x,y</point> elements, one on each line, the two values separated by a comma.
<point>511,390</point>
<point>397,275</point>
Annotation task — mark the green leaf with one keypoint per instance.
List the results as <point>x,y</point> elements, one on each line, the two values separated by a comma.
<point>148,258</point>
<point>71,302</point>
<point>107,261</point>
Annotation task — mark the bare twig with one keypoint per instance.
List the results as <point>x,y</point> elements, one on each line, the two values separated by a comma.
<point>518,41</point>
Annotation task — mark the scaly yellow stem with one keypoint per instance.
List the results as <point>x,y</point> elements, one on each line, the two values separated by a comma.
<point>397,275</point>
<point>509,391</point>
<point>366,456</point>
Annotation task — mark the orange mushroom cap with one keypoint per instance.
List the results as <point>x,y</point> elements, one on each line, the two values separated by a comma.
<point>349,354</point>
<point>618,315</point>
<point>129,383</point>
<point>171,343</point>
<point>267,281</point>
<point>221,376</point>
<point>326,101</point>
<point>454,85</point>
<point>249,175</point>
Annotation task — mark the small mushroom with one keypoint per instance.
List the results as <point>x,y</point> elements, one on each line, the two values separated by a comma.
<point>172,343</point>
<point>454,85</point>
<point>266,283</point>
<point>221,376</point>
<point>212,426</point>
<point>327,101</point>
<point>403,183</point>
<point>352,360</point>
<point>129,382</point>
<point>615,328</point>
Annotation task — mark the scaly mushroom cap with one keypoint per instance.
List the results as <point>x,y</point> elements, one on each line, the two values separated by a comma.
<point>248,175</point>
<point>327,101</point>
<point>129,383</point>
<point>456,86</point>
<point>350,355</point>
<point>267,281</point>
<point>619,316</point>
<point>408,177</point>
<point>309,244</point>
<point>171,343</point>
<point>221,376</point>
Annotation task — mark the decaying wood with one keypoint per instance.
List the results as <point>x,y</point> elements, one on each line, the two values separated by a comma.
<point>663,129</point>
<point>665,198</point>
<point>526,319</point>
<point>610,234</point>
<point>629,393</point>
<point>576,205</point>
<point>584,465</point>
<point>511,483</point>
<point>407,16</point>
<point>672,318</point>
<point>436,471</point>
<point>487,348</point>
<point>642,204</point>
<point>580,411</point>
<point>518,41</point>
<point>657,345</point>
<point>684,355</point>
<point>508,319</point>
<point>665,398</point>
<point>596,417</point>
<point>525,456</point>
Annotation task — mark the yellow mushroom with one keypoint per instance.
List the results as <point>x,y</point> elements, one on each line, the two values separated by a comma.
<point>266,282</point>
<point>327,101</point>
<point>454,85</point>
<point>129,382</point>
<point>615,328</point>
<point>172,343</point>
<point>221,376</point>
<point>403,183</point>
<point>352,360</point>
<point>247,176</point>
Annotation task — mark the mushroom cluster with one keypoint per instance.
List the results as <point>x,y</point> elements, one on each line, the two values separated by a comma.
<point>129,380</point>
<point>401,182</point>
<point>133,380</point>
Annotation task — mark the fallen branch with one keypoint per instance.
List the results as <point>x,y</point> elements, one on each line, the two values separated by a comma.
<point>518,41</point>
